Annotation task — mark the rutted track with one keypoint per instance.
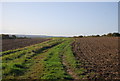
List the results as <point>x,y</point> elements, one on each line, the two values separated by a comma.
<point>19,62</point>
<point>52,59</point>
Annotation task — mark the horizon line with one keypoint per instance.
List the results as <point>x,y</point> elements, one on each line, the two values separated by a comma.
<point>57,35</point>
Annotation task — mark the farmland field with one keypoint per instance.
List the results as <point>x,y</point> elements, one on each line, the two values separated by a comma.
<point>9,44</point>
<point>63,58</point>
<point>100,55</point>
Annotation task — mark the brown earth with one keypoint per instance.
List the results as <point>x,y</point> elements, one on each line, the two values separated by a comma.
<point>10,44</point>
<point>98,55</point>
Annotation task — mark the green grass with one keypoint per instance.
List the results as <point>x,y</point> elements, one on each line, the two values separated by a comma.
<point>54,69</point>
<point>24,57</point>
<point>70,59</point>
<point>42,61</point>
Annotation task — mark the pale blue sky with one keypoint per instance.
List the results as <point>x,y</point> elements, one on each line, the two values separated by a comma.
<point>60,18</point>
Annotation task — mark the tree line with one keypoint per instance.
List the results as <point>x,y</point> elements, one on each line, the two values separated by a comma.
<point>6,36</point>
<point>104,35</point>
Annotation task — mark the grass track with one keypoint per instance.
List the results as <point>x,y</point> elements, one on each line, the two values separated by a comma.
<point>52,59</point>
<point>23,58</point>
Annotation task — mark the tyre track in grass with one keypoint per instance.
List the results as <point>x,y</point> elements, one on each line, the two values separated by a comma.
<point>71,63</point>
<point>9,50</point>
<point>35,50</point>
<point>29,61</point>
<point>23,51</point>
<point>37,69</point>
<point>68,69</point>
<point>61,63</point>
<point>54,69</point>
<point>55,61</point>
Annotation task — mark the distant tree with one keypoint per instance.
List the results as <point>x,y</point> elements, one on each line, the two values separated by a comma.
<point>116,34</point>
<point>109,34</point>
<point>104,35</point>
<point>97,35</point>
<point>80,36</point>
<point>5,36</point>
<point>14,37</point>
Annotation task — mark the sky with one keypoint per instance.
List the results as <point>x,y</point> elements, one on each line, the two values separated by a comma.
<point>59,18</point>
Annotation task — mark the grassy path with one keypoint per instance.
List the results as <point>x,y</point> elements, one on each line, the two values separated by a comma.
<point>52,59</point>
<point>54,69</point>
<point>61,63</point>
<point>70,62</point>
<point>14,65</point>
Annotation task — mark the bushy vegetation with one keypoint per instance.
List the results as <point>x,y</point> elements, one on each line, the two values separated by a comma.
<point>105,35</point>
<point>112,35</point>
<point>6,36</point>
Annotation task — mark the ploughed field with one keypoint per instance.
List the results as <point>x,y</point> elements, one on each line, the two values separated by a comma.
<point>63,58</point>
<point>99,55</point>
<point>9,44</point>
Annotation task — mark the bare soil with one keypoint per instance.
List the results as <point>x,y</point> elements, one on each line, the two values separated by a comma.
<point>10,44</point>
<point>98,55</point>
